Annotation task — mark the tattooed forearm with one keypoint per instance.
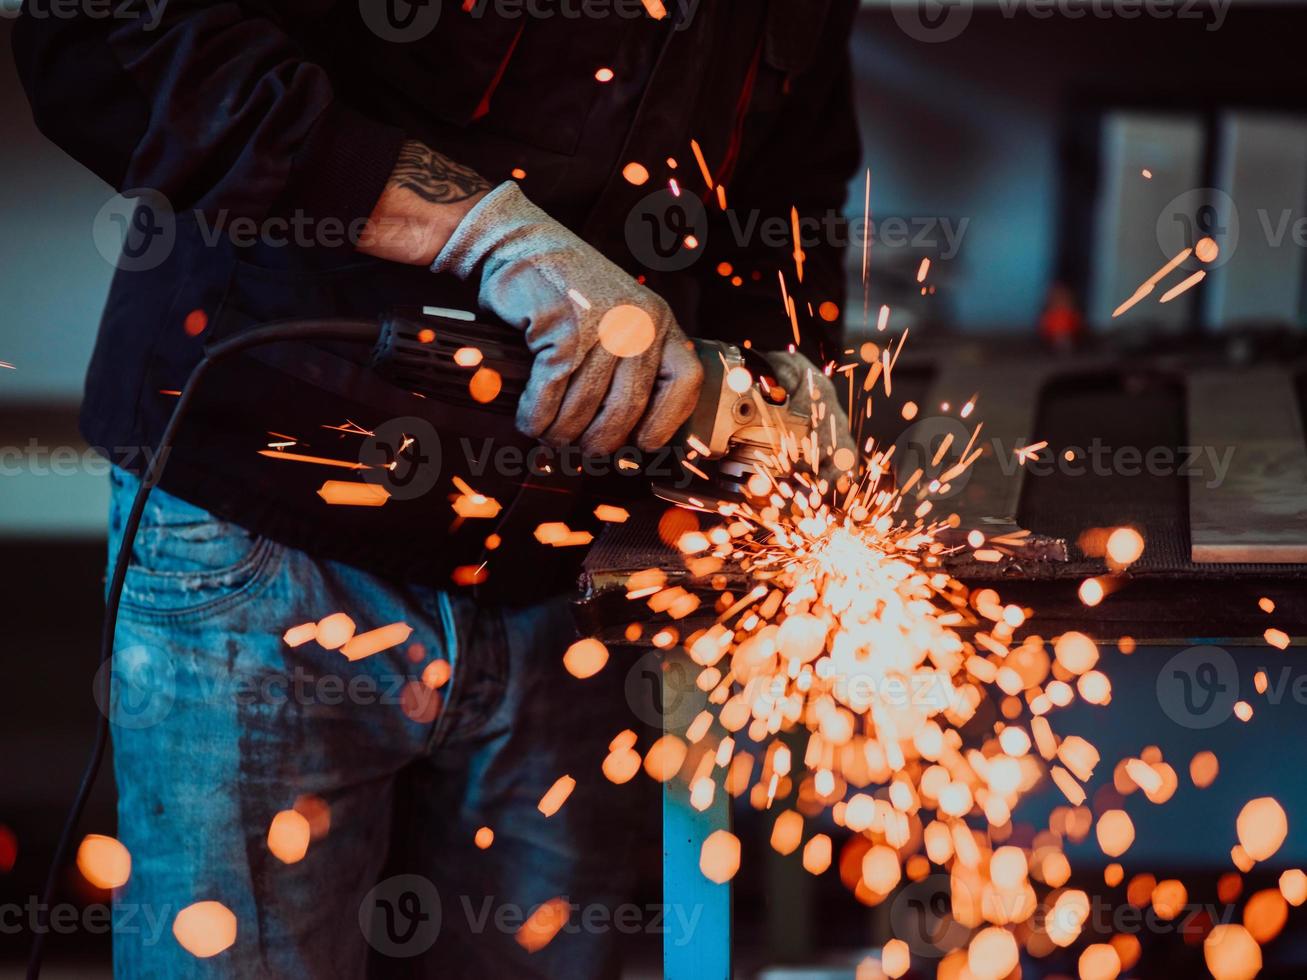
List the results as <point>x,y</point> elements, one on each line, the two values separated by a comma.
<point>425,199</point>
<point>434,177</point>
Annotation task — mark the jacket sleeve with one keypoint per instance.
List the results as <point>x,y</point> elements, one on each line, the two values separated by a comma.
<point>208,102</point>
<point>805,162</point>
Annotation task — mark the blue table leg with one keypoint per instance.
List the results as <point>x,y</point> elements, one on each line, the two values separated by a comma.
<point>697,937</point>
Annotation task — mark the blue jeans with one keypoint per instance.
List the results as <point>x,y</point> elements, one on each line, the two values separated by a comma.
<point>219,725</point>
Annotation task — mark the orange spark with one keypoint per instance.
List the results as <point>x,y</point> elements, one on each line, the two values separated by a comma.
<point>374,641</point>
<point>301,634</point>
<point>1179,288</point>
<point>703,164</point>
<point>204,929</point>
<point>1262,827</point>
<point>719,856</point>
<point>334,631</point>
<point>1148,284</point>
<point>485,385</point>
<point>798,244</point>
<point>288,836</point>
<point>1124,546</point>
<point>556,795</point>
<point>626,330</point>
<point>346,494</point>
<point>1030,452</point>
<point>104,861</point>
<point>1277,638</point>
<point>585,658</point>
<point>344,464</point>
<point>548,918</point>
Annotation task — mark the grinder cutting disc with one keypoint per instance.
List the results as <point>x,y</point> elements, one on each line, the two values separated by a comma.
<point>742,423</point>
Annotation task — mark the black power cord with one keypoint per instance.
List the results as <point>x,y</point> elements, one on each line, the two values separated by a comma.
<point>349,330</point>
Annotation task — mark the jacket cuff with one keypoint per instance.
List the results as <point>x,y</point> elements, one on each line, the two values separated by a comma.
<point>343,166</point>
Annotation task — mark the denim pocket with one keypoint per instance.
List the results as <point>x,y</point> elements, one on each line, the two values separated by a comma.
<point>185,561</point>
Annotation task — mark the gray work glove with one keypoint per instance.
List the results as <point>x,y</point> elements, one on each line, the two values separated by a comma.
<point>809,388</point>
<point>609,357</point>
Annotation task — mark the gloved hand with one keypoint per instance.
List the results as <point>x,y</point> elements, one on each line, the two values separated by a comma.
<point>813,396</point>
<point>609,357</point>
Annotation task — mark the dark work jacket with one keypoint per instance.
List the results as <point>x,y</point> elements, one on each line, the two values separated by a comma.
<point>235,123</point>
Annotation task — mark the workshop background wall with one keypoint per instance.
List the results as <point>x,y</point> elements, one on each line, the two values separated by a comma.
<point>1000,131</point>
<point>52,286</point>
<point>54,280</point>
